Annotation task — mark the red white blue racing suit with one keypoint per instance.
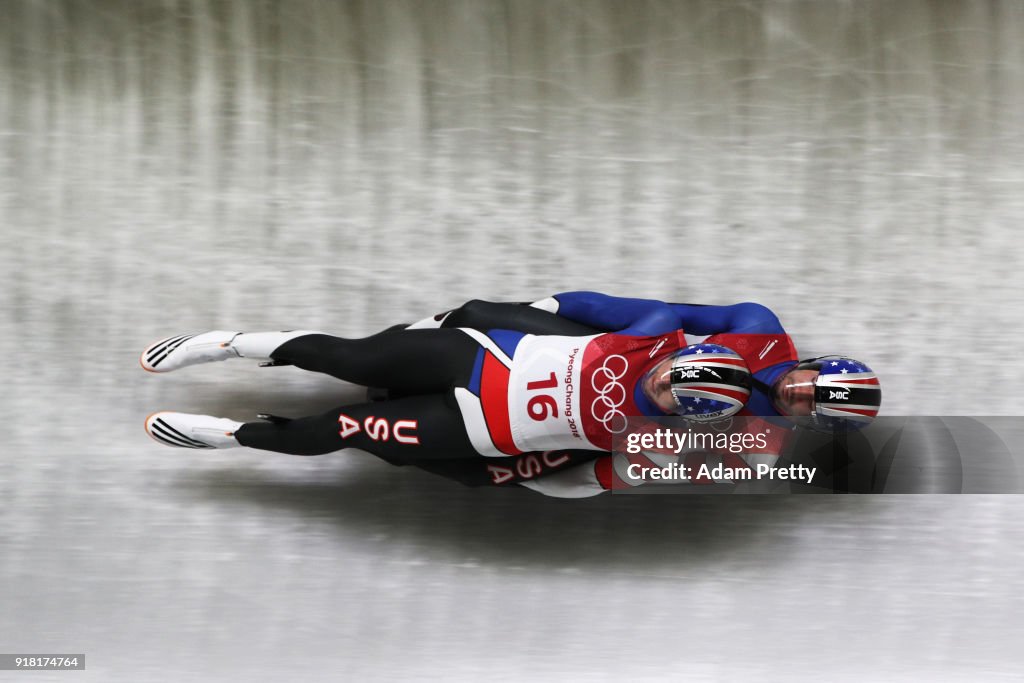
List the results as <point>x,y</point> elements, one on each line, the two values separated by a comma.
<point>543,409</point>
<point>750,329</point>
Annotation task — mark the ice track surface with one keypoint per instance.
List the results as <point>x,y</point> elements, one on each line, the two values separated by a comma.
<point>177,167</point>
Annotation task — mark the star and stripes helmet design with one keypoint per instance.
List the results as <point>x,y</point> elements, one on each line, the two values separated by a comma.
<point>847,393</point>
<point>709,382</point>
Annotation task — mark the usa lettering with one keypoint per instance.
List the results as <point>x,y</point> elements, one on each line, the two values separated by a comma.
<point>380,429</point>
<point>348,426</point>
<point>527,466</point>
<point>842,395</point>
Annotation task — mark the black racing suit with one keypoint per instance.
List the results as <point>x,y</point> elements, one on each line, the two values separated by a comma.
<point>420,423</point>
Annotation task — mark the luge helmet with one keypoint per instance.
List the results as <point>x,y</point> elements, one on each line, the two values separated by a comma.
<point>709,382</point>
<point>847,393</point>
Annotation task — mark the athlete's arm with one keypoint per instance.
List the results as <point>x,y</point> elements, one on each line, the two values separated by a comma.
<point>612,313</point>
<point>744,318</point>
<point>649,316</point>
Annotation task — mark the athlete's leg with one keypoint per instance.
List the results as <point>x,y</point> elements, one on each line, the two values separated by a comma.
<point>487,315</point>
<point>427,360</point>
<point>405,430</point>
<point>417,361</point>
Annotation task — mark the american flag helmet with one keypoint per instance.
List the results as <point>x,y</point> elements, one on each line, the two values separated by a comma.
<point>709,382</point>
<point>847,393</point>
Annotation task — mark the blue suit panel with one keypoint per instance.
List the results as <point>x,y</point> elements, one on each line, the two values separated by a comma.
<point>649,317</point>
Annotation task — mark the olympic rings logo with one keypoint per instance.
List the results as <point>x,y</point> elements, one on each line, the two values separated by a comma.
<point>611,395</point>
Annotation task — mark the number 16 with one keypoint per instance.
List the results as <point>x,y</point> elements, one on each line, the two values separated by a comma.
<point>542,407</point>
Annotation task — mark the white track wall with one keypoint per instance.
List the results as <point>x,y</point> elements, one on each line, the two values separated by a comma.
<point>181,166</point>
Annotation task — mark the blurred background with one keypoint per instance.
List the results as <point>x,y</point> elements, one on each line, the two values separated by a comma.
<point>176,166</point>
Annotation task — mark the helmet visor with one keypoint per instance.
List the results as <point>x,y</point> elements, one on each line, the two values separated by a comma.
<point>794,392</point>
